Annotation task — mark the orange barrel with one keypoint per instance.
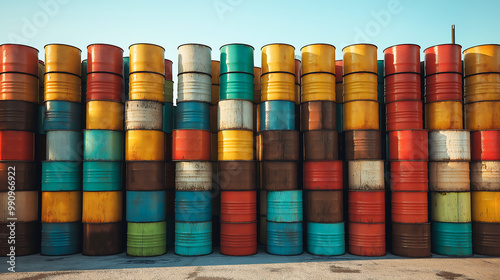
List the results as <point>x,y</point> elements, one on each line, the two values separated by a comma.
<point>215,71</point>
<point>360,58</point>
<point>238,239</point>
<point>62,87</point>
<point>16,58</point>
<point>360,86</point>
<point>102,207</point>
<point>409,176</point>
<point>484,176</point>
<point>105,58</point>
<point>318,87</point>
<point>366,239</point>
<point>408,145</point>
<point>318,58</point>
<point>486,206</point>
<point>25,204</point>
<point>194,58</point>
<point>147,58</point>
<point>366,206</point>
<point>362,144</point>
<point>17,145</point>
<point>257,71</point>
<point>482,59</point>
<point>317,115</point>
<point>403,58</point>
<point>360,115</point>
<point>443,73</point>
<point>320,145</point>
<point>482,115</point>
<point>61,58</point>
<point>278,86</point>
<point>323,175</point>
<point>278,58</point>
<point>190,144</point>
<point>404,115</point>
<point>238,206</point>
<point>443,115</point>
<point>409,207</point>
<point>144,145</point>
<point>61,207</point>
<point>104,115</point>
<point>443,87</point>
<point>482,87</point>
<point>366,175</point>
<point>235,145</point>
<point>449,145</point>
<point>403,86</point>
<point>449,176</point>
<point>18,86</point>
<point>484,145</point>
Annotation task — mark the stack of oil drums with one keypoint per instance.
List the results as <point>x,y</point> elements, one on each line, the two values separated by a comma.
<point>62,172</point>
<point>366,201</point>
<point>168,107</point>
<point>145,152</point>
<point>102,213</point>
<point>126,73</point>
<point>323,189</point>
<point>236,166</point>
<point>482,111</point>
<point>279,151</point>
<point>214,152</point>
<point>408,152</point>
<point>18,122</point>
<point>449,152</point>
<point>191,150</point>
<point>262,198</point>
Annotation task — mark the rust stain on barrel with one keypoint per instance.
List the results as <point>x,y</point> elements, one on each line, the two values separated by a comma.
<point>411,240</point>
<point>145,175</point>
<point>363,144</point>
<point>280,145</point>
<point>324,206</point>
<point>279,175</point>
<point>237,175</point>
<point>321,145</point>
<point>317,115</point>
<point>102,239</point>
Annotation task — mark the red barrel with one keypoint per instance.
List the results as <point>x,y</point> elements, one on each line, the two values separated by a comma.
<point>168,69</point>
<point>18,59</point>
<point>408,145</point>
<point>409,176</point>
<point>191,145</point>
<point>323,175</point>
<point>17,145</point>
<point>401,87</point>
<point>404,115</point>
<point>445,58</point>
<point>402,59</point>
<point>366,206</point>
<point>443,87</point>
<point>105,59</point>
<point>298,71</point>
<point>104,86</point>
<point>367,239</point>
<point>409,207</point>
<point>238,206</point>
<point>238,239</point>
<point>339,71</point>
<point>485,145</point>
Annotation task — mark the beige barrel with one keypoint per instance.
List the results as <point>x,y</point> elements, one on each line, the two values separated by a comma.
<point>449,176</point>
<point>366,175</point>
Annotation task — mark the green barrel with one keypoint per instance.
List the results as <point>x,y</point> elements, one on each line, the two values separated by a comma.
<point>236,86</point>
<point>146,239</point>
<point>169,91</point>
<point>236,58</point>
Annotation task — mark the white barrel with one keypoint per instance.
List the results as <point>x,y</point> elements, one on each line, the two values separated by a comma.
<point>195,58</point>
<point>194,87</point>
<point>451,176</point>
<point>193,176</point>
<point>366,175</point>
<point>449,145</point>
<point>143,114</point>
<point>235,114</point>
<point>485,175</point>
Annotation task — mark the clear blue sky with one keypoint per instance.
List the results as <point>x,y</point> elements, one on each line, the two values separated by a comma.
<point>256,22</point>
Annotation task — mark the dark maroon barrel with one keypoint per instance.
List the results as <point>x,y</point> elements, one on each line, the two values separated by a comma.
<point>486,238</point>
<point>102,239</point>
<point>324,206</point>
<point>145,175</point>
<point>27,238</point>
<point>280,145</point>
<point>363,144</point>
<point>18,115</point>
<point>170,175</point>
<point>279,175</point>
<point>237,175</point>
<point>318,115</point>
<point>321,145</point>
<point>411,240</point>
<point>25,175</point>
<point>168,146</point>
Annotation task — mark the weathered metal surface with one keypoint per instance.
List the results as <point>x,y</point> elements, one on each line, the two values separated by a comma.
<point>25,205</point>
<point>62,58</point>
<point>326,239</point>
<point>366,206</point>
<point>64,145</point>
<point>451,239</point>
<point>411,240</point>
<point>484,145</point>
<point>279,175</point>
<point>321,145</point>
<point>190,144</point>
<point>318,115</point>
<point>146,86</point>
<point>193,206</point>
<point>408,145</point>
<point>235,145</point>
<point>484,176</point>
<point>237,175</point>
<point>144,145</point>
<point>323,175</point>
<point>285,206</point>
<point>278,86</point>
<point>143,114</point>
<point>486,206</point>
<point>323,206</point>
<point>108,144</point>
<point>193,239</point>
<point>18,115</point>
<point>18,58</point>
<point>18,86</point>
<point>409,207</point>
<point>238,239</point>
<point>482,115</point>
<point>318,87</point>
<point>102,175</point>
<point>102,239</point>
<point>194,87</point>
<point>449,145</point>
<point>17,145</point>
<point>59,239</point>
<point>485,238</point>
<point>104,115</point>
<point>366,175</point>
<point>449,176</point>
<point>145,175</point>
<point>284,239</point>
<point>193,176</point>
<point>235,114</point>
<point>27,238</point>
<point>409,176</point>
<point>404,115</point>
<point>145,207</point>
<point>366,239</point>
<point>61,207</point>
<point>279,145</point>
<point>147,58</point>
<point>61,176</point>
<point>363,144</point>
<point>450,207</point>
<point>194,58</point>
<point>238,206</point>
<point>146,239</point>
<point>25,174</point>
<point>360,115</point>
<point>102,207</point>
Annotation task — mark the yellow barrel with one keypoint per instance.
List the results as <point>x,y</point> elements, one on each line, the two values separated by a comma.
<point>258,147</point>
<point>144,145</point>
<point>235,145</point>
<point>360,86</point>
<point>486,207</point>
<point>318,87</point>
<point>147,58</point>
<point>443,115</point>
<point>482,59</point>
<point>318,58</point>
<point>25,205</point>
<point>102,207</point>
<point>104,115</point>
<point>257,71</point>
<point>213,147</point>
<point>360,58</point>
<point>360,115</point>
<point>146,86</point>
<point>62,87</point>
<point>482,87</point>
<point>278,58</point>
<point>61,207</point>
<point>278,86</point>
<point>215,94</point>
<point>63,58</point>
<point>482,115</point>
<point>451,207</point>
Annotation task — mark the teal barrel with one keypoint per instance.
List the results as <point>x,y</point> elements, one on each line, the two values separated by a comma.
<point>59,239</point>
<point>326,239</point>
<point>284,238</point>
<point>146,239</point>
<point>193,115</point>
<point>102,176</point>
<point>62,115</point>
<point>60,176</point>
<point>277,115</point>
<point>64,145</point>
<point>193,206</point>
<point>170,231</point>
<point>193,239</point>
<point>284,206</point>
<point>103,145</point>
<point>126,73</point>
<point>339,117</point>
<point>236,86</point>
<point>146,206</point>
<point>41,119</point>
<point>236,58</point>
<point>168,110</point>
<point>451,239</point>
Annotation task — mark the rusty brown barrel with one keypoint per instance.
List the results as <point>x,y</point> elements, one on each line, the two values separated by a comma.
<point>279,145</point>
<point>362,144</point>
<point>318,115</point>
<point>145,175</point>
<point>323,206</point>
<point>411,240</point>
<point>321,145</point>
<point>237,175</point>
<point>279,175</point>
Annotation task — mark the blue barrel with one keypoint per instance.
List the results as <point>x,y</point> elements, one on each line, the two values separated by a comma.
<point>102,176</point>
<point>193,239</point>
<point>193,115</point>
<point>146,206</point>
<point>284,206</point>
<point>61,176</point>
<point>284,238</point>
<point>277,115</point>
<point>170,230</point>
<point>326,239</point>
<point>59,239</point>
<point>63,115</point>
<point>451,239</point>
<point>236,58</point>
<point>103,145</point>
<point>41,119</point>
<point>193,206</point>
<point>168,109</point>
<point>64,145</point>
<point>236,86</point>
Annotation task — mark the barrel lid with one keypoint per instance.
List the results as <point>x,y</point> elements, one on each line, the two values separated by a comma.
<point>324,44</point>
<point>166,59</point>
<point>442,45</point>
<point>399,45</point>
<point>284,44</point>
<point>10,44</point>
<point>147,44</point>
<point>483,45</point>
<point>59,44</point>
<point>41,61</point>
<point>241,44</point>
<point>360,44</point>
<point>194,44</point>
<point>104,44</point>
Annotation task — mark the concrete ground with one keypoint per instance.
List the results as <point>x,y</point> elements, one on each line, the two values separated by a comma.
<point>260,266</point>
